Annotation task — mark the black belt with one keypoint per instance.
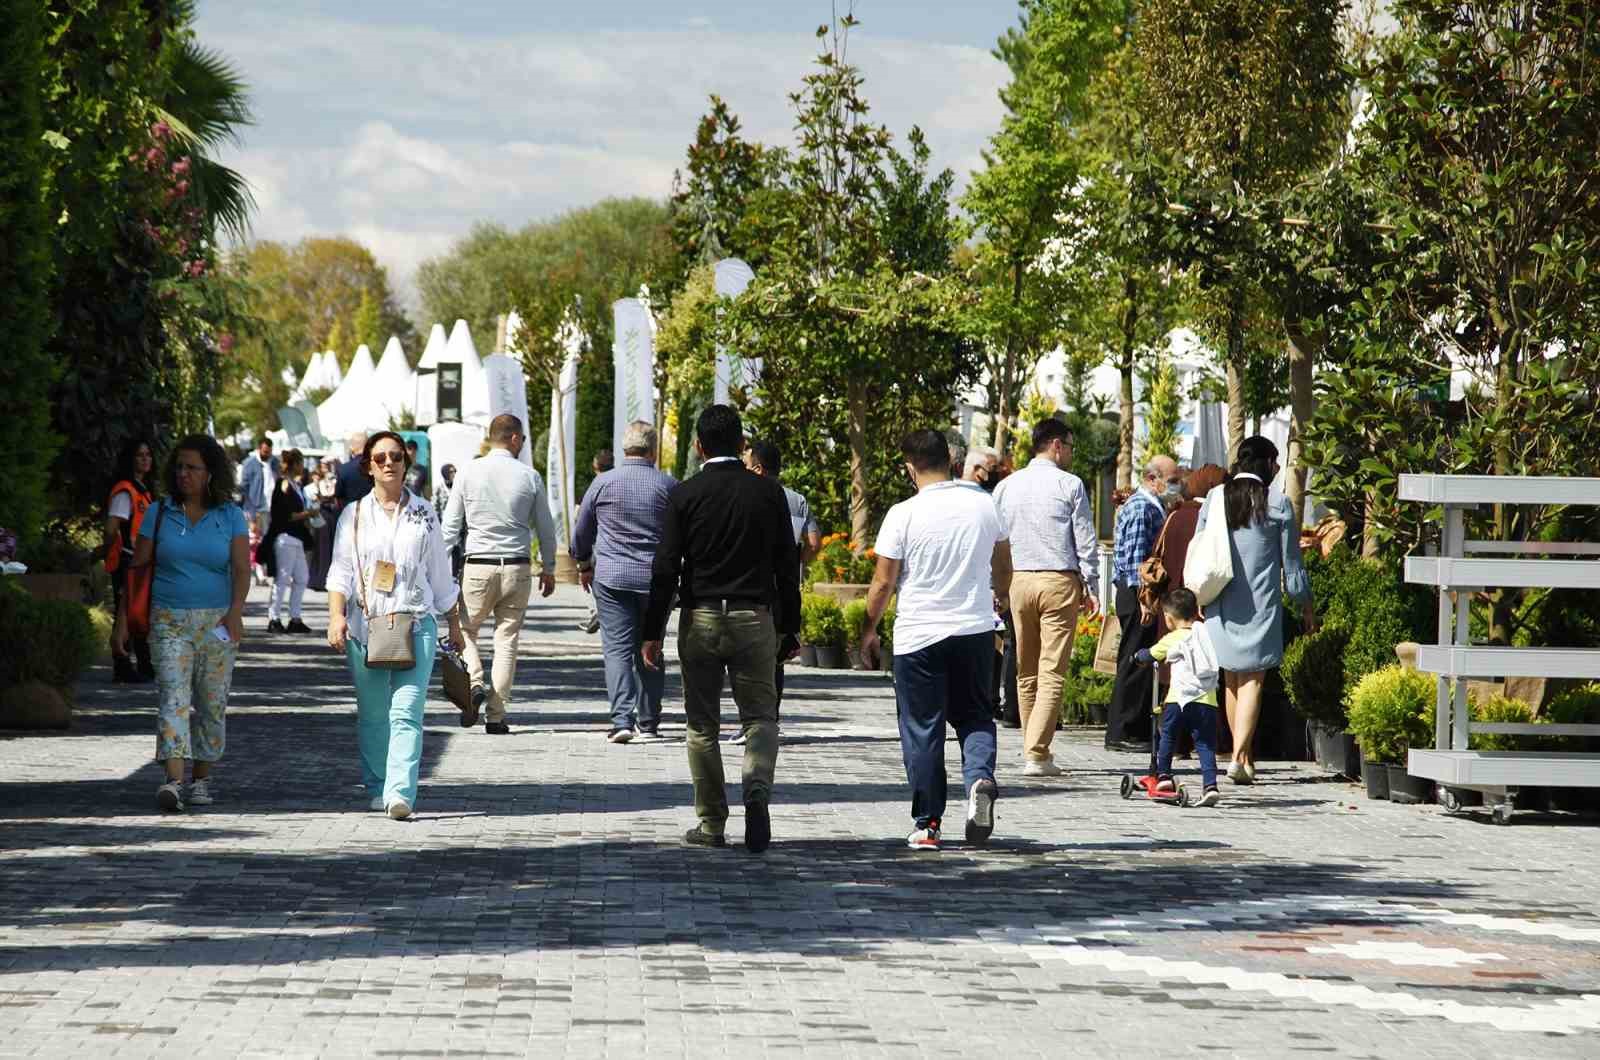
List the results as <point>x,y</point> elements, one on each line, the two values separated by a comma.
<point>726,606</point>
<point>500,561</point>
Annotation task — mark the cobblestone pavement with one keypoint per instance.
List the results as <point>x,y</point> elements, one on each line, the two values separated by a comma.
<point>539,903</point>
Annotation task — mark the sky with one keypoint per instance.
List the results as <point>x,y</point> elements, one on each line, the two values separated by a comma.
<point>402,123</point>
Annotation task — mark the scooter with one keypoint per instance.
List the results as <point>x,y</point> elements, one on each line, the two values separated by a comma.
<point>1179,796</point>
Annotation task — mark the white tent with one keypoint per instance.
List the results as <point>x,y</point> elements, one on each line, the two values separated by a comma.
<point>332,374</point>
<point>474,385</point>
<point>434,350</point>
<point>354,406</point>
<point>393,384</point>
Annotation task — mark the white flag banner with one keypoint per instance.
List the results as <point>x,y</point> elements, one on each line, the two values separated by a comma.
<point>732,276</point>
<point>562,450</point>
<point>633,356</point>
<point>508,392</point>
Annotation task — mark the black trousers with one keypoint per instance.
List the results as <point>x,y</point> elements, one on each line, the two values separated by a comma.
<point>1004,681</point>
<point>1128,717</point>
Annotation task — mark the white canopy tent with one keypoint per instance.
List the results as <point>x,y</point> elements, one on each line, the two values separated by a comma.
<point>394,384</point>
<point>354,406</point>
<point>474,384</point>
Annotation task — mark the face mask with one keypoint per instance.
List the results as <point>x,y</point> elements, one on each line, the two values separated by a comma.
<point>1174,491</point>
<point>990,483</point>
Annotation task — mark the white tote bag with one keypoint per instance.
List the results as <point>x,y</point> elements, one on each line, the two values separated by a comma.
<point>1208,568</point>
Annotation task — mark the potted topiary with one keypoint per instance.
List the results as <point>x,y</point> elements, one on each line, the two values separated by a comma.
<point>810,604</point>
<point>1391,710</point>
<point>1313,677</point>
<point>855,624</point>
<point>823,626</point>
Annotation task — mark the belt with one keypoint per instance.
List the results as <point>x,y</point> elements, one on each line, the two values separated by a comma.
<point>728,606</point>
<point>500,561</point>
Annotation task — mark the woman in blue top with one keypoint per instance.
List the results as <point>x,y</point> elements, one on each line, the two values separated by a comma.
<point>1246,621</point>
<point>200,545</point>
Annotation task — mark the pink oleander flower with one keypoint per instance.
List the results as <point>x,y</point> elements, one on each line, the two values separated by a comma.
<point>161,130</point>
<point>197,268</point>
<point>180,168</point>
<point>225,342</point>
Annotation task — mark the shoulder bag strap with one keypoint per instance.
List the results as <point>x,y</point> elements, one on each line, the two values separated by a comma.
<point>361,570</point>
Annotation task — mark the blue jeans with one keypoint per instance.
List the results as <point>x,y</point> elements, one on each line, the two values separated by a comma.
<point>634,689</point>
<point>389,706</point>
<point>1201,721</point>
<point>948,681</point>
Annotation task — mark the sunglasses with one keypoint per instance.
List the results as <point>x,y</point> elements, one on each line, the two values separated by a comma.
<point>384,457</point>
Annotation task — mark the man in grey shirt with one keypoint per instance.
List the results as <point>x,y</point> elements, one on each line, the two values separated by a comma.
<point>614,541</point>
<point>495,501</point>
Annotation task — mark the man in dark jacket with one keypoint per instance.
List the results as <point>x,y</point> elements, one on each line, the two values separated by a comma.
<point>728,549</point>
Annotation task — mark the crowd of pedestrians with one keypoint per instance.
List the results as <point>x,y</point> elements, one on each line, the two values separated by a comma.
<point>988,569</point>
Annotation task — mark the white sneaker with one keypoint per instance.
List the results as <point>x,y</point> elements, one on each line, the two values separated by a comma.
<point>399,809</point>
<point>646,736</point>
<point>200,793</point>
<point>169,797</point>
<point>1042,767</point>
<point>1238,773</point>
<point>980,812</point>
<point>925,838</point>
<point>620,735</point>
<point>375,804</point>
<point>738,738</point>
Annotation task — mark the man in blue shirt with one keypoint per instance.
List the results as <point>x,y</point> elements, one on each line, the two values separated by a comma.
<point>614,542</point>
<point>1139,523</point>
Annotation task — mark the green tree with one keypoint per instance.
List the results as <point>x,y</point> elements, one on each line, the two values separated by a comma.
<point>367,323</point>
<point>25,372</point>
<point>853,315</point>
<point>1251,95</point>
<point>1165,397</point>
<point>709,212</point>
<point>1031,166</point>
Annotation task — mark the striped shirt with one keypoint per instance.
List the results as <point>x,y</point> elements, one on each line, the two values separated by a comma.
<point>619,523</point>
<point>1138,526</point>
<point>1048,519</point>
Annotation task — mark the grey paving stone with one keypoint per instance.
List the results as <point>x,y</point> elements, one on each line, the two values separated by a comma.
<point>539,903</point>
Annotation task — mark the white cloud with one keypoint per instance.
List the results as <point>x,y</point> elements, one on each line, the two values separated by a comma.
<point>405,137</point>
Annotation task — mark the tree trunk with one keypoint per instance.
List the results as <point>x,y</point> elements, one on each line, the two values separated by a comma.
<point>1130,324</point>
<point>1503,602</point>
<point>860,515</point>
<point>1302,359</point>
<point>1236,410</point>
<point>1008,377</point>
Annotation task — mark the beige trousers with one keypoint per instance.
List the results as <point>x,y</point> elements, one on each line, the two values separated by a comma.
<point>502,592</point>
<point>1044,611</point>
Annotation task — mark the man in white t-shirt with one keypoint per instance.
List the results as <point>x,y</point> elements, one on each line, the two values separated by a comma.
<point>945,552</point>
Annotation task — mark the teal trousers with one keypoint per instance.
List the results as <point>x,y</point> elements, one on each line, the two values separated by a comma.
<point>389,707</point>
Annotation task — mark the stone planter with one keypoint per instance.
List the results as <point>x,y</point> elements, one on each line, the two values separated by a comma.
<point>1407,789</point>
<point>1376,776</point>
<point>841,593</point>
<point>1336,750</point>
<point>808,655</point>
<point>830,658</point>
<point>35,705</point>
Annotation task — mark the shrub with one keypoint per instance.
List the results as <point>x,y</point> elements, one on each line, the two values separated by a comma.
<point>821,621</point>
<point>1373,602</point>
<point>1390,711</point>
<point>1080,692</point>
<point>838,562</point>
<point>886,628</point>
<point>49,641</point>
<point>1575,706</point>
<point>1502,708</point>
<point>855,620</point>
<point>1313,675</point>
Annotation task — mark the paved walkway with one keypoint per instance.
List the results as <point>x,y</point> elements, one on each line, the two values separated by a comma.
<point>540,905</point>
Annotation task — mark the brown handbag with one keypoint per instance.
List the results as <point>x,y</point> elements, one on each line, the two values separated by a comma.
<point>1154,578</point>
<point>389,644</point>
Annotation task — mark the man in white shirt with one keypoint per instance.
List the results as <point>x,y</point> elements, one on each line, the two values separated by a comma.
<point>945,552</point>
<point>495,501</point>
<point>1045,510</point>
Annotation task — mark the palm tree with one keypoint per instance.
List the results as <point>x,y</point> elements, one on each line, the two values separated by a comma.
<point>206,106</point>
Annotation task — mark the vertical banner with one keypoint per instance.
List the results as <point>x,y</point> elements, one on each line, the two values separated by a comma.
<point>732,276</point>
<point>561,453</point>
<point>633,356</point>
<point>508,392</point>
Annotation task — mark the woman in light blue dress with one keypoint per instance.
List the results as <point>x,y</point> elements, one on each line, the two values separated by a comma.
<point>1246,620</point>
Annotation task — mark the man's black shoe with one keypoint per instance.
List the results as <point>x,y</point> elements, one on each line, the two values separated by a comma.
<point>699,837</point>
<point>297,626</point>
<point>1011,723</point>
<point>479,697</point>
<point>275,627</point>
<point>757,826</point>
<point>1132,747</point>
<point>496,728</point>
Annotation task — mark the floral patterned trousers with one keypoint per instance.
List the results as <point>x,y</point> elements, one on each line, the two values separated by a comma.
<point>193,673</point>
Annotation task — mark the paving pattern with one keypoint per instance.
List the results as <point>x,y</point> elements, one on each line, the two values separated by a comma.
<point>539,904</point>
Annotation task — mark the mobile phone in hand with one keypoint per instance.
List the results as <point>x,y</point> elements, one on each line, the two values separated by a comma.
<point>221,633</point>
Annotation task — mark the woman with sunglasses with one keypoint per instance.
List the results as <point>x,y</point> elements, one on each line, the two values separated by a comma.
<point>200,545</point>
<point>389,559</point>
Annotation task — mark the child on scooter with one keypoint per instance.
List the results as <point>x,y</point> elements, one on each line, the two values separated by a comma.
<point>1192,695</point>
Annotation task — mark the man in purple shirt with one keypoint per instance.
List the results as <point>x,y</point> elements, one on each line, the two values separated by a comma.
<point>614,542</point>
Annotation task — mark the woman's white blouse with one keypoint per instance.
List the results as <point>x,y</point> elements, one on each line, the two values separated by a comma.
<point>412,541</point>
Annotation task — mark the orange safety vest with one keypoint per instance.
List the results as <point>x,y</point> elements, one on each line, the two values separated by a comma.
<point>139,500</point>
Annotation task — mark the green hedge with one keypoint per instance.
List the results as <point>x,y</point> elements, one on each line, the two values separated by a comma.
<point>1314,674</point>
<point>52,641</point>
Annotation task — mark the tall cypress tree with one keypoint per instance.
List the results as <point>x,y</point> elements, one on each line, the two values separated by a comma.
<point>25,371</point>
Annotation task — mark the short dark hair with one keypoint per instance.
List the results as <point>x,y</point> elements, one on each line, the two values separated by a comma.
<point>768,456</point>
<point>219,486</point>
<point>927,450</point>
<point>291,457</point>
<point>604,459</point>
<point>1181,604</point>
<point>719,431</point>
<point>263,440</point>
<point>366,454</point>
<point>411,443</point>
<point>503,427</point>
<point>1048,430</point>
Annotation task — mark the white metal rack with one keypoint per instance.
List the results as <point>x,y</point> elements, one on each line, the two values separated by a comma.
<point>1498,774</point>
